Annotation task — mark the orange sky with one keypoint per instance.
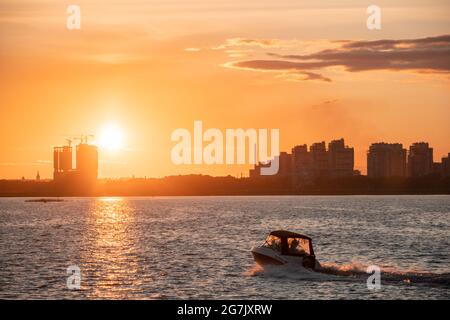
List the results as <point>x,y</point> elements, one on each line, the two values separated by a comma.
<point>151,67</point>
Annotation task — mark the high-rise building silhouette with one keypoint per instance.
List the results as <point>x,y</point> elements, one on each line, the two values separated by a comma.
<point>285,164</point>
<point>445,166</point>
<point>320,159</point>
<point>386,160</point>
<point>62,161</point>
<point>87,161</point>
<point>341,159</point>
<point>301,164</point>
<point>420,159</point>
<point>86,171</point>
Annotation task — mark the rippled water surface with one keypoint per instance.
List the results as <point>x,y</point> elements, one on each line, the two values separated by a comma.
<point>170,248</point>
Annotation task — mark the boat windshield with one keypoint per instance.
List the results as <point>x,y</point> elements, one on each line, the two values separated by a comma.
<point>273,242</point>
<point>298,246</point>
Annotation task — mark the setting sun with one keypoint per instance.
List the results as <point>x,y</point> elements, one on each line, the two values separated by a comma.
<point>111,138</point>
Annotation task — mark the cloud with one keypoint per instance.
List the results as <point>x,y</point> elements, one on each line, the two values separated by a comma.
<point>192,49</point>
<point>302,76</point>
<point>429,55</point>
<point>264,43</point>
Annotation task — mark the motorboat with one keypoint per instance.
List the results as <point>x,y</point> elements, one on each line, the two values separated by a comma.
<point>286,247</point>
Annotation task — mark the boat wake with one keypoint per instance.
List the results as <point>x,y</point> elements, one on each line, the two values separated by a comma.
<point>350,272</point>
<point>294,272</point>
<point>389,274</point>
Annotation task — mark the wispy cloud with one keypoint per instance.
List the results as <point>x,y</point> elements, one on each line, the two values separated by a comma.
<point>297,76</point>
<point>429,54</point>
<point>241,42</point>
<point>192,49</point>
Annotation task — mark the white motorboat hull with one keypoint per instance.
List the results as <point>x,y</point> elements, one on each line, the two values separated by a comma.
<point>266,256</point>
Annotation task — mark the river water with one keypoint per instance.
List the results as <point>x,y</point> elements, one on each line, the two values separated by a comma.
<point>199,247</point>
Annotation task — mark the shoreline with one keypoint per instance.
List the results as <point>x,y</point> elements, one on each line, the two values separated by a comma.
<point>201,185</point>
<point>219,195</point>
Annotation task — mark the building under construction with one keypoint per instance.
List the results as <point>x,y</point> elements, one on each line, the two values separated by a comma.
<point>86,164</point>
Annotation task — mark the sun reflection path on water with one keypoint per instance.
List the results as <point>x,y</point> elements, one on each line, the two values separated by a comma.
<point>111,262</point>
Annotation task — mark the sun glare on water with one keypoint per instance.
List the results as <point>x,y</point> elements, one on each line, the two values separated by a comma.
<point>111,138</point>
